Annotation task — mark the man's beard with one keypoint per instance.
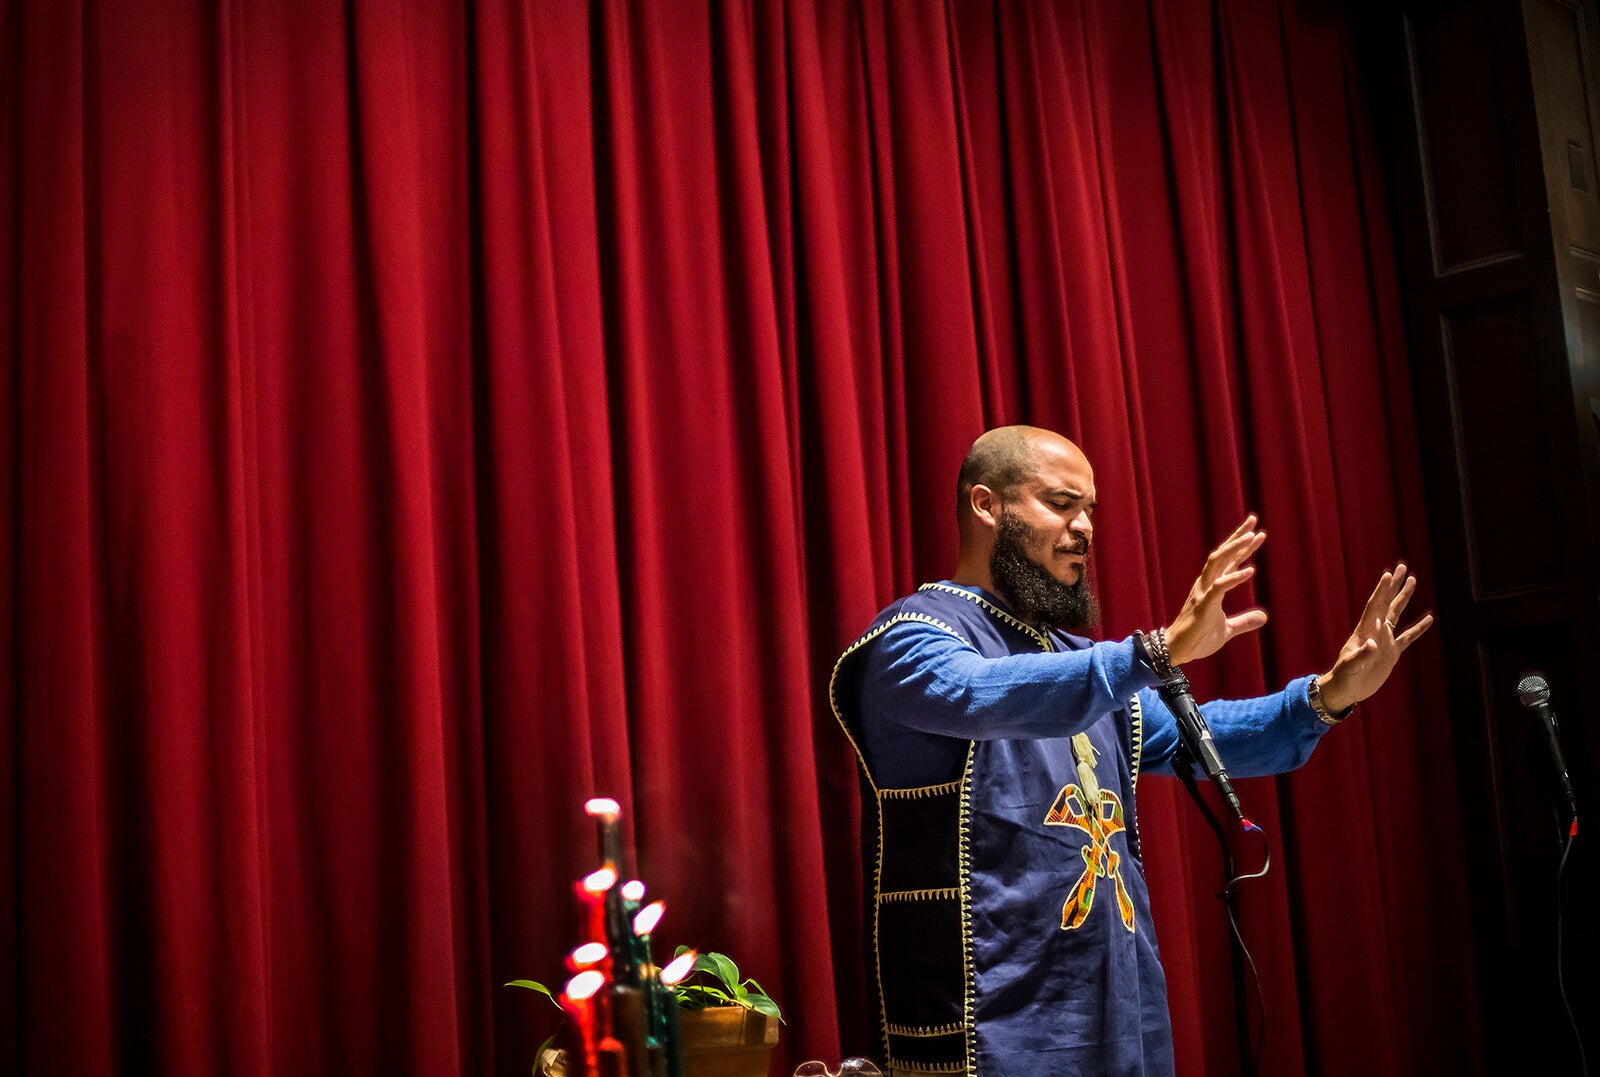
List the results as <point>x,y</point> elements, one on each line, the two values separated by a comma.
<point>1036,596</point>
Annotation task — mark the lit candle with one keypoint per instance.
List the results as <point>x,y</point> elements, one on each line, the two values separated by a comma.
<point>606,813</point>
<point>586,956</point>
<point>678,968</point>
<point>577,999</point>
<point>632,896</point>
<point>644,922</point>
<point>591,891</point>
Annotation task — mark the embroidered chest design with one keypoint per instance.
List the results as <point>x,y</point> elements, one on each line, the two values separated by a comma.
<point>1099,818</point>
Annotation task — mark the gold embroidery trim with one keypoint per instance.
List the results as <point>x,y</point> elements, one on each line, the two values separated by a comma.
<point>877,871</point>
<point>920,791</point>
<point>1136,712</point>
<point>969,991</point>
<point>992,610</point>
<point>924,1031</point>
<point>833,679</point>
<point>944,894</point>
<point>913,1069</point>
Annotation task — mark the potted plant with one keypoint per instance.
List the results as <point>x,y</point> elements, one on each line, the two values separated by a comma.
<point>728,1024</point>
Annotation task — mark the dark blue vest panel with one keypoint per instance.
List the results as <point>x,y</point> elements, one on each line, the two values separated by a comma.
<point>1007,908</point>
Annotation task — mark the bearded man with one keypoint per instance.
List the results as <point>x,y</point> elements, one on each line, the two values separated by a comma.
<point>1008,913</point>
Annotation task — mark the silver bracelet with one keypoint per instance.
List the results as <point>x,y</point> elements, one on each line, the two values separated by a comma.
<point>1314,694</point>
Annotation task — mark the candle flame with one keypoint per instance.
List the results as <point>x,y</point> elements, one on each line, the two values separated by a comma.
<point>588,954</point>
<point>603,806</point>
<point>633,890</point>
<point>649,917</point>
<point>584,985</point>
<point>679,967</point>
<point>598,882</point>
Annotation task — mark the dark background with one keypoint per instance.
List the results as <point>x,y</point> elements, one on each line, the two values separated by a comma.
<point>1489,138</point>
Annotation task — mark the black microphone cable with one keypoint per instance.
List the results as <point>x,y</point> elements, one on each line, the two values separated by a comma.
<point>1183,767</point>
<point>1561,981</point>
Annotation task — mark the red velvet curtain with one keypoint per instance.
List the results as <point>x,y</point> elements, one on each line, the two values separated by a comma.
<point>418,417</point>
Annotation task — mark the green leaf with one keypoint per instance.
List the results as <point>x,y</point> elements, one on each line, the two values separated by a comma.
<point>722,967</point>
<point>535,985</point>
<point>699,996</point>
<point>763,1004</point>
<point>532,985</point>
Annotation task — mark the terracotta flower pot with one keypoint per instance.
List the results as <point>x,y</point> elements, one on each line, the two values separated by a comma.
<point>726,1041</point>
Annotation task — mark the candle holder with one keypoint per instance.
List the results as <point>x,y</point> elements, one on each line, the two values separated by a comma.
<point>622,1010</point>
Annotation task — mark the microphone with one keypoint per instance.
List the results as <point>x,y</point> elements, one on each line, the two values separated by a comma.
<point>1533,691</point>
<point>1196,736</point>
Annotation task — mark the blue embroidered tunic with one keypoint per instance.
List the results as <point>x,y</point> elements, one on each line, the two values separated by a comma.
<point>1007,909</point>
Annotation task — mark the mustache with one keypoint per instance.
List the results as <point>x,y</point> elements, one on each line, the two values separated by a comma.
<point>1079,547</point>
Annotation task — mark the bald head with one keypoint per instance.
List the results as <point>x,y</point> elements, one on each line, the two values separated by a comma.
<point>1003,459</point>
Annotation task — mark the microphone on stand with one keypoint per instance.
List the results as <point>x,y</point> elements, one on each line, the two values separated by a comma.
<point>1533,691</point>
<point>1196,736</point>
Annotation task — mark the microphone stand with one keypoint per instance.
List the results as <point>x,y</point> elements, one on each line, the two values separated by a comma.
<point>1196,748</point>
<point>1183,767</point>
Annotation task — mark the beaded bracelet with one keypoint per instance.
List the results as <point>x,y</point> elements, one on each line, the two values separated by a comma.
<point>1154,645</point>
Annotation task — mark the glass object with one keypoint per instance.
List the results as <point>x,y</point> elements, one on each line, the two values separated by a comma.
<point>850,1067</point>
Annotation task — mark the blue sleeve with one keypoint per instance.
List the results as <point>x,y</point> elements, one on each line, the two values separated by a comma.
<point>1255,737</point>
<point>923,678</point>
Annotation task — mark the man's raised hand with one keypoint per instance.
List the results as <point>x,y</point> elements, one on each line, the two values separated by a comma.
<point>1375,645</point>
<point>1203,626</point>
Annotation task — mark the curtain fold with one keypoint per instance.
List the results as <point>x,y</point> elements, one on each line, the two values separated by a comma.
<point>420,417</point>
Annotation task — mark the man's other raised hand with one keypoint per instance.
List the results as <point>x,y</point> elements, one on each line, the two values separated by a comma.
<point>1202,625</point>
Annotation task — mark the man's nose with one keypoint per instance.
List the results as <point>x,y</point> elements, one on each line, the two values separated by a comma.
<point>1081,525</point>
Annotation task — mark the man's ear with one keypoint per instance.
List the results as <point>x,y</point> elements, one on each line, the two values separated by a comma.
<point>985,504</point>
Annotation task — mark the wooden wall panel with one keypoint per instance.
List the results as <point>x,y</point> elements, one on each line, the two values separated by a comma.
<point>1468,183</point>
<point>1502,445</point>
